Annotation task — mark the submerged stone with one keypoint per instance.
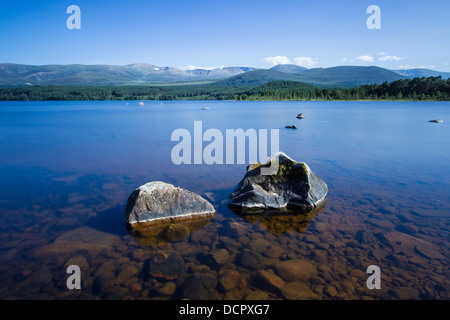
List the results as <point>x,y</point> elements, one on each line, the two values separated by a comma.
<point>174,232</point>
<point>229,280</point>
<point>166,264</point>
<point>251,259</point>
<point>159,202</point>
<point>294,187</point>
<point>269,281</point>
<point>295,270</point>
<point>217,258</point>
<point>199,287</point>
<point>77,240</point>
<point>166,289</point>
<point>298,291</point>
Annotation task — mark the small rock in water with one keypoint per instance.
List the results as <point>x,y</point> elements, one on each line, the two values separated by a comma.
<point>407,228</point>
<point>235,229</point>
<point>330,291</point>
<point>251,260</point>
<point>362,236</point>
<point>103,284</point>
<point>274,251</point>
<point>217,258</point>
<point>159,202</point>
<point>269,281</point>
<point>259,245</point>
<point>291,127</point>
<point>428,252</point>
<point>76,240</point>
<point>167,265</point>
<point>80,261</point>
<point>229,280</point>
<point>437,121</point>
<point>199,287</point>
<point>257,295</point>
<point>298,291</point>
<point>174,232</point>
<point>405,293</point>
<point>126,273</point>
<point>167,289</point>
<point>293,270</point>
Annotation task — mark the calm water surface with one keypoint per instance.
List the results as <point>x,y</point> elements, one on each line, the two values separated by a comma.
<point>67,169</point>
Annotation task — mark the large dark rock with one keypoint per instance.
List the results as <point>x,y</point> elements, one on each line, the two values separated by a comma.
<point>159,202</point>
<point>292,187</point>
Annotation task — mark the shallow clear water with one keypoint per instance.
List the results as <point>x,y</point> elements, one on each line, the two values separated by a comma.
<point>67,169</point>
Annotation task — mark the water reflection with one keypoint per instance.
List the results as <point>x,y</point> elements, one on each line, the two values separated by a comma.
<point>281,222</point>
<point>171,232</point>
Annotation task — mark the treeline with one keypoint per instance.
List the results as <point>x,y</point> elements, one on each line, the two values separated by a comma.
<point>432,88</point>
<point>58,93</point>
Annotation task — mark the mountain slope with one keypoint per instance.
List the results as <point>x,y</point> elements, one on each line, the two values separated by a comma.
<point>12,75</point>
<point>289,68</point>
<point>347,76</point>
<point>327,77</point>
<point>421,72</point>
<point>16,75</point>
<point>256,78</point>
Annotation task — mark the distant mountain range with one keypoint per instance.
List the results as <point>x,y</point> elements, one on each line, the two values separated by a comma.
<point>17,75</point>
<point>325,77</point>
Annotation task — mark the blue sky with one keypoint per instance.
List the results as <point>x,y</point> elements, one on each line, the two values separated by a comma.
<point>213,33</point>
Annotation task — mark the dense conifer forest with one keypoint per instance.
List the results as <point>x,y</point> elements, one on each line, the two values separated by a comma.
<point>432,88</point>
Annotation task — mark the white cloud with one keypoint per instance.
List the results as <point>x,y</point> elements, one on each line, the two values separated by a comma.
<point>365,58</point>
<point>446,64</point>
<point>307,62</point>
<point>277,60</point>
<point>382,53</point>
<point>344,59</point>
<point>390,58</point>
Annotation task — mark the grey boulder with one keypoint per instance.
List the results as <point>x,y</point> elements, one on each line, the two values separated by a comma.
<point>159,202</point>
<point>293,187</point>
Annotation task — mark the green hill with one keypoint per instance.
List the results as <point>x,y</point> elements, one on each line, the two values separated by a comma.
<point>348,76</point>
<point>351,76</point>
<point>255,78</point>
<point>289,68</point>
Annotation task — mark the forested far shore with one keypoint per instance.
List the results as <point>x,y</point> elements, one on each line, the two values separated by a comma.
<point>432,88</point>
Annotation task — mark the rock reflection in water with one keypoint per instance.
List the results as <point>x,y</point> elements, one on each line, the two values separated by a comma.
<point>280,222</point>
<point>177,231</point>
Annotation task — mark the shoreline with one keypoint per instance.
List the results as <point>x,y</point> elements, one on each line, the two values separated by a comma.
<point>234,100</point>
